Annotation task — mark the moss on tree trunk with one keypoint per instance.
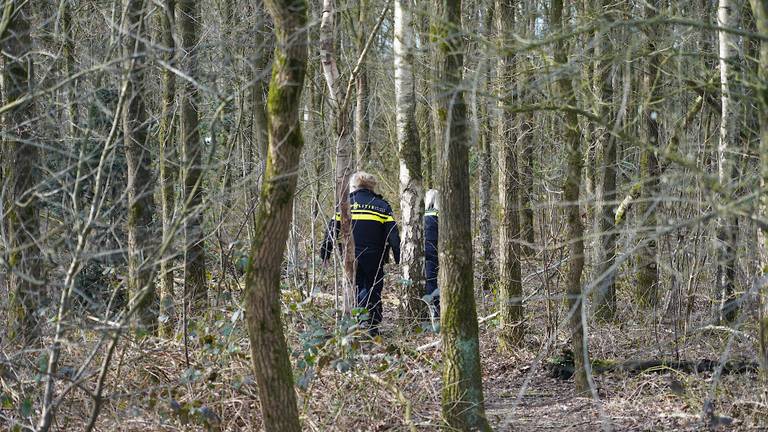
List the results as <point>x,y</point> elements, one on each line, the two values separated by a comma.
<point>269,350</point>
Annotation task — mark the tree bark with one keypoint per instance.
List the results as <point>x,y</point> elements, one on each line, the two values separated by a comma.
<point>411,189</point>
<point>571,189</point>
<point>511,324</point>
<point>20,175</point>
<point>269,350</point>
<point>462,395</point>
<point>487,272</point>
<point>605,294</point>
<point>362,141</point>
<point>167,164</point>
<point>195,284</point>
<point>140,187</point>
<point>344,152</point>
<point>647,288</point>
<point>728,17</point>
<point>760,12</point>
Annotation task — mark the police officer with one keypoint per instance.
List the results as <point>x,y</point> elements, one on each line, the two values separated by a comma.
<point>432,205</point>
<point>375,232</point>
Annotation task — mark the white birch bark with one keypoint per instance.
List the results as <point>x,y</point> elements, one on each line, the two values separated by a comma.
<point>411,187</point>
<point>727,16</point>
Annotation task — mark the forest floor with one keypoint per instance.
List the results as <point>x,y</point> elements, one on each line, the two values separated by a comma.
<point>347,382</point>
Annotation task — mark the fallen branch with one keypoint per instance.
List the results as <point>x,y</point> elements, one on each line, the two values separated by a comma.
<point>563,368</point>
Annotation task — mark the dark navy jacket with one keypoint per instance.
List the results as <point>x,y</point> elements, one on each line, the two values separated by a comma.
<point>373,227</point>
<point>430,233</point>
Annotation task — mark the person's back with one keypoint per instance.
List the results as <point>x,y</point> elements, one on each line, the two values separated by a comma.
<point>375,233</point>
<point>431,238</point>
<point>372,224</point>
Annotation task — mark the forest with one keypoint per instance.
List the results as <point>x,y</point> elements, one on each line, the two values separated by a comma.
<point>384,215</point>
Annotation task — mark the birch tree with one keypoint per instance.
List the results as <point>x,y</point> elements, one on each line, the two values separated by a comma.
<point>411,187</point>
<point>727,228</point>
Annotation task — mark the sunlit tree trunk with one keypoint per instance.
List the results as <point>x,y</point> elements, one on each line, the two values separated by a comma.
<point>647,287</point>
<point>269,350</point>
<point>727,16</point>
<point>411,189</point>
<point>140,187</point>
<point>462,396</point>
<point>21,172</point>
<point>195,286</point>
<point>168,160</point>
<point>511,330</point>
<point>577,320</point>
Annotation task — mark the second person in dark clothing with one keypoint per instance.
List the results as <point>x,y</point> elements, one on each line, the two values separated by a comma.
<point>375,232</point>
<point>431,235</point>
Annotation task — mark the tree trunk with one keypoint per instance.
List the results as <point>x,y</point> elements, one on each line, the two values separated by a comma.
<point>168,171</point>
<point>646,291</point>
<point>571,188</point>
<point>760,12</point>
<point>362,142</point>
<point>727,16</point>
<point>526,146</point>
<point>511,325</point>
<point>269,350</point>
<point>68,52</point>
<point>462,395</point>
<point>344,152</point>
<point>195,285</point>
<point>20,176</point>
<point>140,187</point>
<point>487,272</point>
<point>411,189</point>
<point>605,294</point>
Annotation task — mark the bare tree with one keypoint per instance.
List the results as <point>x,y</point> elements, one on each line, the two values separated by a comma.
<point>605,294</point>
<point>411,188</point>
<point>510,285</point>
<point>141,183</point>
<point>646,291</point>
<point>21,160</point>
<point>269,350</point>
<point>463,402</point>
<point>168,160</point>
<point>727,225</point>
<point>344,150</point>
<point>579,341</point>
<point>760,12</point>
<point>188,19</point>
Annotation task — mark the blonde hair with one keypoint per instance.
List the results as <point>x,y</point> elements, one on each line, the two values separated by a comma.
<point>432,200</point>
<point>362,180</point>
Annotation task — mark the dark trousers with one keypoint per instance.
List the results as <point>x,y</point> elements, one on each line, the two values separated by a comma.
<point>430,269</point>
<point>369,279</point>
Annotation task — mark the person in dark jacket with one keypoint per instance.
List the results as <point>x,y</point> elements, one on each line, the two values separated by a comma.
<point>375,232</point>
<point>432,205</point>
